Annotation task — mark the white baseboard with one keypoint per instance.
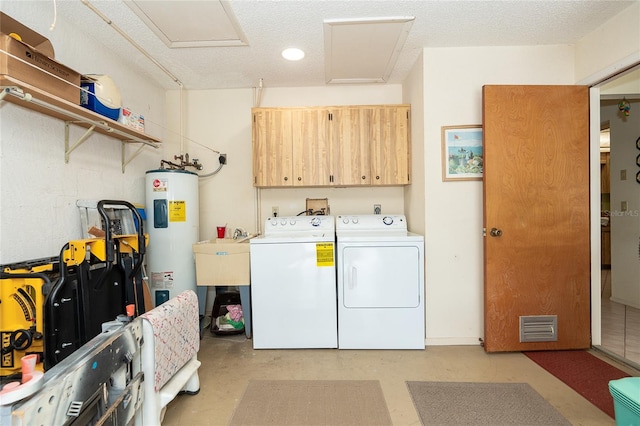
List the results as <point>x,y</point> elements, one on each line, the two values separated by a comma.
<point>452,341</point>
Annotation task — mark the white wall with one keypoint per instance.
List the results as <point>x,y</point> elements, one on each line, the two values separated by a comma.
<point>453,80</point>
<point>221,120</point>
<point>38,212</point>
<point>625,225</point>
<point>414,194</point>
<point>609,48</point>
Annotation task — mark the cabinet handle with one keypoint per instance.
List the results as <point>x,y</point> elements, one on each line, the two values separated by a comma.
<point>364,177</point>
<point>299,178</point>
<point>286,179</point>
<point>377,177</point>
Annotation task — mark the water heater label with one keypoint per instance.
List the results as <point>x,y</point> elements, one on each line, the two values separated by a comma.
<point>324,254</point>
<point>162,279</point>
<point>177,211</point>
<point>159,185</point>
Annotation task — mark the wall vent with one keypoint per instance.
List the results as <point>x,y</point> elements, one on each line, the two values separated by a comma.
<point>539,328</point>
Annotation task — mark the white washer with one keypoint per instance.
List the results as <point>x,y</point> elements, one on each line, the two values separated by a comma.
<point>293,284</point>
<point>380,269</point>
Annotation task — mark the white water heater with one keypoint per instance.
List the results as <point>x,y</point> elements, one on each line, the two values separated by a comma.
<point>172,210</point>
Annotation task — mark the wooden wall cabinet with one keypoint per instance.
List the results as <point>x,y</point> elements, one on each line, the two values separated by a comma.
<point>311,147</point>
<point>391,146</point>
<point>331,146</point>
<point>272,141</point>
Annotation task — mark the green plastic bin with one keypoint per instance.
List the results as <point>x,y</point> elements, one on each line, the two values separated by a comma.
<point>626,400</point>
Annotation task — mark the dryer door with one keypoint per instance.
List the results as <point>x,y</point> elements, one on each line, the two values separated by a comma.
<point>381,277</point>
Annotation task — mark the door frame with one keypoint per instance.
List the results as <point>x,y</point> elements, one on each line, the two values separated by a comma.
<point>594,82</point>
<point>594,208</point>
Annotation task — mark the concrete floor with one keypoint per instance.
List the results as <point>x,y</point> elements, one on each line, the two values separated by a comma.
<point>229,362</point>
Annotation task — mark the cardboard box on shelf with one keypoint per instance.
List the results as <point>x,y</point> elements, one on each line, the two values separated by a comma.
<point>132,120</point>
<point>222,262</point>
<point>28,57</point>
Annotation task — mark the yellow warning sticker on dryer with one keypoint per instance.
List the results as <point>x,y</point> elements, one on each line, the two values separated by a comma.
<point>324,254</point>
<point>177,211</point>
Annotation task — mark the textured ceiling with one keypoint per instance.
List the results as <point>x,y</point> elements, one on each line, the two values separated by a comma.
<point>270,26</point>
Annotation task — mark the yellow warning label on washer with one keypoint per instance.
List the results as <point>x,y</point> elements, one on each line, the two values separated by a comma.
<point>177,211</point>
<point>324,254</point>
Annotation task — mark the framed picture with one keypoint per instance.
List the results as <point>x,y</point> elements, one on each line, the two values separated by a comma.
<point>462,156</point>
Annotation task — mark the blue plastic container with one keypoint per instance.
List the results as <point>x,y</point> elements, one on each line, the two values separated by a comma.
<point>626,400</point>
<point>89,101</point>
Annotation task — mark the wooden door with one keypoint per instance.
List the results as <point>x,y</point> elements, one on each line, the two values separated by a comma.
<point>272,147</point>
<point>390,145</point>
<point>311,149</point>
<point>350,146</point>
<point>536,201</point>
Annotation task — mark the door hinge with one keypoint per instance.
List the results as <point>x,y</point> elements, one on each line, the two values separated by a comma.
<point>484,232</point>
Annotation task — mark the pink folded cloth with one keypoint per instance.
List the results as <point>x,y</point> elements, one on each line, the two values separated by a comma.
<point>235,312</point>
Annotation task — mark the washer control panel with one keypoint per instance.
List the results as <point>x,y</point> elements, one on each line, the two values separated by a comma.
<point>373,222</point>
<point>296,224</point>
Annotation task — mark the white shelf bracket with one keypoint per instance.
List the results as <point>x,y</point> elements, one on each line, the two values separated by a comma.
<point>134,155</point>
<point>68,150</point>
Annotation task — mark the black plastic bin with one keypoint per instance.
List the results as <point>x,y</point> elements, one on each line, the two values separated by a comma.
<point>219,310</point>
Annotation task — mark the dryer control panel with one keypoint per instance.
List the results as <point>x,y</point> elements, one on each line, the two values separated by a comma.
<point>373,222</point>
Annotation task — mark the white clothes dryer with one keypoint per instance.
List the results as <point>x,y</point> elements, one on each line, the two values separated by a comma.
<point>293,284</point>
<point>380,274</point>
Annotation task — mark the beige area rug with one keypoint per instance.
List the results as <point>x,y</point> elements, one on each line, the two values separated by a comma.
<point>312,402</point>
<point>461,403</point>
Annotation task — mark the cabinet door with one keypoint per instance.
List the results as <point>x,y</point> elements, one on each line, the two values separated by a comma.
<point>272,147</point>
<point>311,151</point>
<point>390,145</point>
<point>350,151</point>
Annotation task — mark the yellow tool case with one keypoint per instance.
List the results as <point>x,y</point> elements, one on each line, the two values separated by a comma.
<point>23,289</point>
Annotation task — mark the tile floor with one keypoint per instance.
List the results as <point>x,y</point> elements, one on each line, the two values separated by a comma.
<point>620,325</point>
<point>229,362</point>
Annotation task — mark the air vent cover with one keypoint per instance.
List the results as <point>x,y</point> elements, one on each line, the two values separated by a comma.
<point>539,328</point>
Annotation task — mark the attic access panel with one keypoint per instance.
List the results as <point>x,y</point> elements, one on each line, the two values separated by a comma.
<point>363,50</point>
<point>187,23</point>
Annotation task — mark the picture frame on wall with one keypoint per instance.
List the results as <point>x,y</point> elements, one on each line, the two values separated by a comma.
<point>462,153</point>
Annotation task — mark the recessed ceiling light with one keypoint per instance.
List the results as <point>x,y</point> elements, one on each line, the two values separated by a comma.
<point>292,54</point>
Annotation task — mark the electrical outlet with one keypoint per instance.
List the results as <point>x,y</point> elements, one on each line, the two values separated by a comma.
<point>377,209</point>
<point>274,211</point>
<point>623,206</point>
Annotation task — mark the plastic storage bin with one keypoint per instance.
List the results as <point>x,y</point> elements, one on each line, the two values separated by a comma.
<point>220,325</point>
<point>626,400</point>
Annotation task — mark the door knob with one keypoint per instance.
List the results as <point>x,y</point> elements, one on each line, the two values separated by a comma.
<point>495,232</point>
